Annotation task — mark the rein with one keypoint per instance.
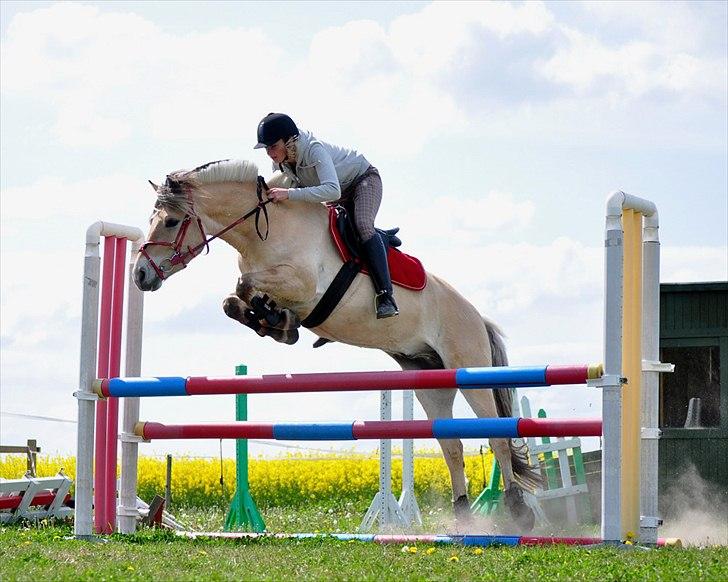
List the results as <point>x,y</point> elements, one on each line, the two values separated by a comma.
<point>183,257</point>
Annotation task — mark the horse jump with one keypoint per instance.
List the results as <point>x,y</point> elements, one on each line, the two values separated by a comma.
<point>621,448</point>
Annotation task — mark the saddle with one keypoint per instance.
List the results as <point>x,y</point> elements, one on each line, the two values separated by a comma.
<point>405,270</point>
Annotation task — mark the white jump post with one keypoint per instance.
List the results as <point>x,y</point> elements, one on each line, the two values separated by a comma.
<point>83,523</point>
<point>384,508</point>
<point>640,470</point>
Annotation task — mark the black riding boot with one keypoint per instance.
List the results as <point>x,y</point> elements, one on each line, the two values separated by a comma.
<point>376,259</point>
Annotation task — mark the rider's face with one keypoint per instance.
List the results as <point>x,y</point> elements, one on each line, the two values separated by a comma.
<point>277,151</point>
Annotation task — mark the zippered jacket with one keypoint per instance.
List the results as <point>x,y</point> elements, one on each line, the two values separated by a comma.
<point>322,170</point>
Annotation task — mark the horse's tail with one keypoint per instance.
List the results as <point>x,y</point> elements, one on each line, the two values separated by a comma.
<point>525,474</point>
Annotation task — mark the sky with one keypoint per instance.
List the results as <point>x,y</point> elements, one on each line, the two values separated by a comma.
<point>499,130</point>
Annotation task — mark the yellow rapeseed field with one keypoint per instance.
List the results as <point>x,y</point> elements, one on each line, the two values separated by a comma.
<point>292,480</point>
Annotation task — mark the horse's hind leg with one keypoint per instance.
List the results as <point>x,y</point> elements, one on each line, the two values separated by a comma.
<point>438,404</point>
<point>474,349</point>
<point>480,402</point>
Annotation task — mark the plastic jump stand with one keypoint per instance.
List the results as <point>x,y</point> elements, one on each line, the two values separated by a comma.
<point>243,514</point>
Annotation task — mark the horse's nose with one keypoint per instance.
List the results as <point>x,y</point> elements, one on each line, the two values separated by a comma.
<point>140,278</point>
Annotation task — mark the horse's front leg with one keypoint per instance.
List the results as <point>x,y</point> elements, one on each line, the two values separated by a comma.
<point>236,309</point>
<point>286,284</point>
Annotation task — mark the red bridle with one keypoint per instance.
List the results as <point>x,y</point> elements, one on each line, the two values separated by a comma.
<point>182,257</point>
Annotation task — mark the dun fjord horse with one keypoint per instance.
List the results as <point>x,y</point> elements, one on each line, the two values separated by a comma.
<point>294,265</point>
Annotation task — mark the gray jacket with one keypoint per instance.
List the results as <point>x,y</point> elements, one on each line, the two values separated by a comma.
<point>322,170</point>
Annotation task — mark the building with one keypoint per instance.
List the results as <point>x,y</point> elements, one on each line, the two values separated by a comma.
<point>694,399</point>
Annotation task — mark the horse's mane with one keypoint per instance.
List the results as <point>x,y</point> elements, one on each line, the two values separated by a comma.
<point>225,171</point>
<point>173,194</point>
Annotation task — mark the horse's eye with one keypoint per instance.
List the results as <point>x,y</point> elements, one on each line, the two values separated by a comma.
<point>171,222</point>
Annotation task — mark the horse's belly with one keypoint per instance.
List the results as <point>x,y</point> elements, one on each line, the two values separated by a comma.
<point>354,320</point>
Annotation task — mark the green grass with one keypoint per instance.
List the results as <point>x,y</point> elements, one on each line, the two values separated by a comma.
<point>44,552</point>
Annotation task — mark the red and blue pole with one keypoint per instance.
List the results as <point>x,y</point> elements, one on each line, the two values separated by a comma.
<point>376,429</point>
<point>465,378</point>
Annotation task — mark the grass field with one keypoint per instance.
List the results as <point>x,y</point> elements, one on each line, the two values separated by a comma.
<point>44,552</point>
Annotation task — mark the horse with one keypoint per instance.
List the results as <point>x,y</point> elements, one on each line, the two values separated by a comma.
<point>290,262</point>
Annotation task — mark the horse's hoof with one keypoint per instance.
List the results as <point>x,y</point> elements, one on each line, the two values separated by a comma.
<point>291,336</point>
<point>289,320</point>
<point>461,509</point>
<point>283,336</point>
<point>519,510</point>
<point>231,308</point>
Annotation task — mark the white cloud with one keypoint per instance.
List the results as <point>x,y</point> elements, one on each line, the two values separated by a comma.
<point>112,73</point>
<point>683,25</point>
<point>430,41</point>
<point>467,220</point>
<point>687,264</point>
<point>631,69</point>
<point>110,76</point>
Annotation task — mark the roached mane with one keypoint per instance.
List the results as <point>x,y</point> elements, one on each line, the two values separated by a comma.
<point>225,171</point>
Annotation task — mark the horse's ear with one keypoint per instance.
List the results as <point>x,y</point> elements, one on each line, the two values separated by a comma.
<point>156,188</point>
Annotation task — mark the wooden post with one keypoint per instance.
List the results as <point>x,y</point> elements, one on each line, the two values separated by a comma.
<point>168,486</point>
<point>32,457</point>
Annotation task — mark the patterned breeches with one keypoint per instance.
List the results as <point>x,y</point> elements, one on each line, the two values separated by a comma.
<point>362,199</point>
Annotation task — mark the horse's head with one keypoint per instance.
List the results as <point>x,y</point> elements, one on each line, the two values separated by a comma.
<point>223,194</point>
<point>175,235</point>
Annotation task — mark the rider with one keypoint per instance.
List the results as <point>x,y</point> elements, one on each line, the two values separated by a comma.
<point>326,173</point>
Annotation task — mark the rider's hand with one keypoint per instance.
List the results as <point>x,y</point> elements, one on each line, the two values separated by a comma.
<point>278,194</point>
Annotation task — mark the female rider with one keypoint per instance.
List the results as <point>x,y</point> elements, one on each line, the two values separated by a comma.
<point>325,173</point>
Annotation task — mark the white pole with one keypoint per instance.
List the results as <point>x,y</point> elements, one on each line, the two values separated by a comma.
<point>127,510</point>
<point>385,461</point>
<point>611,381</point>
<point>83,522</point>
<point>651,368</point>
<point>407,499</point>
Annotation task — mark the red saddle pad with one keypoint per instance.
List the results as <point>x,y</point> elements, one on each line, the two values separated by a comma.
<point>406,271</point>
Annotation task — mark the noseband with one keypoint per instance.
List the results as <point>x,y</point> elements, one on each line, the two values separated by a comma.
<point>182,257</point>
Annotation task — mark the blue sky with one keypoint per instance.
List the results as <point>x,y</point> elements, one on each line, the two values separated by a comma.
<point>499,130</point>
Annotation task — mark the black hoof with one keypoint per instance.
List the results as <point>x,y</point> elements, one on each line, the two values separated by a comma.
<point>290,336</point>
<point>282,336</point>
<point>521,513</point>
<point>322,341</point>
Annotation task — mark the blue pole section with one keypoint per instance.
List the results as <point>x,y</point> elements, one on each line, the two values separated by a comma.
<point>164,386</point>
<point>463,428</point>
<point>523,376</point>
<point>314,432</point>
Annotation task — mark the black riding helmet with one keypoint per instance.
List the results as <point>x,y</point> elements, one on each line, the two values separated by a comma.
<point>273,127</point>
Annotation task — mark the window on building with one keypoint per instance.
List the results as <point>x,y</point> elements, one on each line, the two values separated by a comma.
<point>696,376</point>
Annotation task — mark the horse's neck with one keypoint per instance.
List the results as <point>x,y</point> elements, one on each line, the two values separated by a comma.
<point>223,203</point>
<point>294,226</point>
